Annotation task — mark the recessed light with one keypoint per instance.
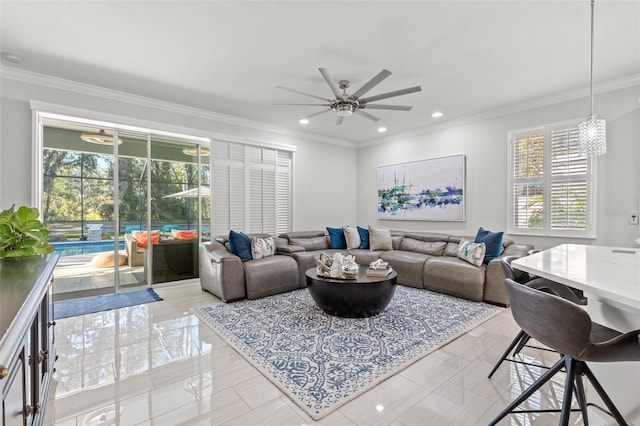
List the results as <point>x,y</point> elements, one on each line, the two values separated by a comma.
<point>382,129</point>
<point>303,121</point>
<point>10,57</point>
<point>437,114</point>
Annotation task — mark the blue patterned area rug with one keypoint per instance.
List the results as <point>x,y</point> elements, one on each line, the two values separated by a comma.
<point>90,305</point>
<point>321,361</point>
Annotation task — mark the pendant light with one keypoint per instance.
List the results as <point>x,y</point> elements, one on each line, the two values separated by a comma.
<point>592,134</point>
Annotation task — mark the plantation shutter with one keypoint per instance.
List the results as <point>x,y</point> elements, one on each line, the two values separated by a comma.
<point>283,191</point>
<point>550,183</point>
<point>528,181</point>
<point>569,181</point>
<point>251,189</point>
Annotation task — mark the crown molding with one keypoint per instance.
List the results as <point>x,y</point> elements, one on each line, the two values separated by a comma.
<point>570,95</point>
<point>29,77</point>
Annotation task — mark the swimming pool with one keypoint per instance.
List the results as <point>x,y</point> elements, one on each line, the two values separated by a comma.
<point>72,248</point>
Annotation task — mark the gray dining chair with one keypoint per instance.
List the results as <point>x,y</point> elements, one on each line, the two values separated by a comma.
<point>567,328</point>
<point>522,338</point>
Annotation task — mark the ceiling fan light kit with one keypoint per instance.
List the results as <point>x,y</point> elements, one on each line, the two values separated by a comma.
<point>100,138</point>
<point>345,105</point>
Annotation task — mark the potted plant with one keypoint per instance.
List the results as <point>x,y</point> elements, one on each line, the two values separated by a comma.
<point>22,234</point>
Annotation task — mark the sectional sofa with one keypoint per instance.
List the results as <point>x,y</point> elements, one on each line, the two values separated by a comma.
<point>421,259</point>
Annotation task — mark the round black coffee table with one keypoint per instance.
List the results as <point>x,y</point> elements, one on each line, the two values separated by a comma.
<point>362,297</point>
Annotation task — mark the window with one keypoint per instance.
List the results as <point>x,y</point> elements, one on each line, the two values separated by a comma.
<point>251,188</point>
<point>551,184</point>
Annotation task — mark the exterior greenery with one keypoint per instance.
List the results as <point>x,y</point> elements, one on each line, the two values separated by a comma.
<point>78,187</point>
<point>22,234</point>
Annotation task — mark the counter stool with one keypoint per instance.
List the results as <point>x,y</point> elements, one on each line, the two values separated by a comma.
<point>522,338</point>
<point>567,328</point>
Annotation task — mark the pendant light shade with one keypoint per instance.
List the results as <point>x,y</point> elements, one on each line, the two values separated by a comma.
<point>592,134</point>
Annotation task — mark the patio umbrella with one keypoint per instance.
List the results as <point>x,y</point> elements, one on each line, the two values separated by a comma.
<point>190,193</point>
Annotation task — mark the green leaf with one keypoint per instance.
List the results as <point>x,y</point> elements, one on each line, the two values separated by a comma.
<point>22,234</point>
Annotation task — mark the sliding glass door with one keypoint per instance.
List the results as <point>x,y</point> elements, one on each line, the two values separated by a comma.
<point>126,208</point>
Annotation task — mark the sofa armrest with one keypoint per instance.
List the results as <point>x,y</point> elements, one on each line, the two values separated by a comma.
<point>288,249</point>
<point>494,289</point>
<point>221,272</point>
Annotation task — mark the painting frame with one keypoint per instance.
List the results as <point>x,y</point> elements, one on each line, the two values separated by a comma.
<point>428,190</point>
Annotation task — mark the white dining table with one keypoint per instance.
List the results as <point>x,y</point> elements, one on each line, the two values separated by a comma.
<point>610,279</point>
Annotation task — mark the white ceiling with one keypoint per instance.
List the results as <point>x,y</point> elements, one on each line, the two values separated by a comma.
<point>470,57</point>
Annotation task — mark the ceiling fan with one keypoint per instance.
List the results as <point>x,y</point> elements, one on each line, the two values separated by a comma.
<point>344,104</point>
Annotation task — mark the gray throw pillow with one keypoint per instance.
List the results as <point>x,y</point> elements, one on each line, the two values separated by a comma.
<point>379,238</point>
<point>353,237</point>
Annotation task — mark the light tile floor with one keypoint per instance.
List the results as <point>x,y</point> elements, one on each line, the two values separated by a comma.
<point>158,364</point>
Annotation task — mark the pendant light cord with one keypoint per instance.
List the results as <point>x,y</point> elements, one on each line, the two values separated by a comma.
<point>592,5</point>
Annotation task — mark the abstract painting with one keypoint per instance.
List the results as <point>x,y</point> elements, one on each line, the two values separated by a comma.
<point>430,189</point>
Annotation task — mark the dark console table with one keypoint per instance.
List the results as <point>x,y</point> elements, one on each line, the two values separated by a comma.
<point>27,338</point>
<point>362,297</point>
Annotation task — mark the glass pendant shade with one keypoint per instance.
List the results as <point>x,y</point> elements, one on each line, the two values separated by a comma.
<point>592,136</point>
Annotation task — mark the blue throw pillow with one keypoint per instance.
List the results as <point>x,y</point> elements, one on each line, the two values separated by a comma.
<point>493,242</point>
<point>240,245</point>
<point>364,237</point>
<point>337,239</point>
<point>232,245</point>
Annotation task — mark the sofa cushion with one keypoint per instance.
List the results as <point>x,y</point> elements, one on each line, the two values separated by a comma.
<point>240,245</point>
<point>434,248</point>
<point>270,275</point>
<point>450,275</point>
<point>379,238</point>
<point>313,243</point>
<point>472,252</point>
<point>352,236</point>
<point>409,266</point>
<point>336,238</point>
<point>364,237</point>
<point>262,247</point>
<point>365,256</point>
<point>493,241</point>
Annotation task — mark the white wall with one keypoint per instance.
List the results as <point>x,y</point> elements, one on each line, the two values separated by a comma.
<point>484,142</point>
<point>335,185</point>
<point>325,173</point>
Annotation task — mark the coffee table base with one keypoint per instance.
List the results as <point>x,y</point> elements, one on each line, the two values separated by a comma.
<point>352,298</point>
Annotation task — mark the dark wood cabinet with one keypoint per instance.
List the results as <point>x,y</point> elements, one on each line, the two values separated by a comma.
<point>27,342</point>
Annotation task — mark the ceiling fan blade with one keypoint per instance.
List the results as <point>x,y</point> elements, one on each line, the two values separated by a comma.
<point>391,94</point>
<point>304,104</point>
<point>317,113</point>
<point>391,107</point>
<point>371,84</point>
<point>367,115</point>
<point>303,93</point>
<point>334,87</point>
<point>339,121</point>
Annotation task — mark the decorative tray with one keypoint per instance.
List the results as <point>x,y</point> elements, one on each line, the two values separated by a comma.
<point>339,277</point>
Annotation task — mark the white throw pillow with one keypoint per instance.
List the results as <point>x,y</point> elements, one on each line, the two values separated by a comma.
<point>262,247</point>
<point>472,252</point>
<point>353,237</point>
<point>379,238</point>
